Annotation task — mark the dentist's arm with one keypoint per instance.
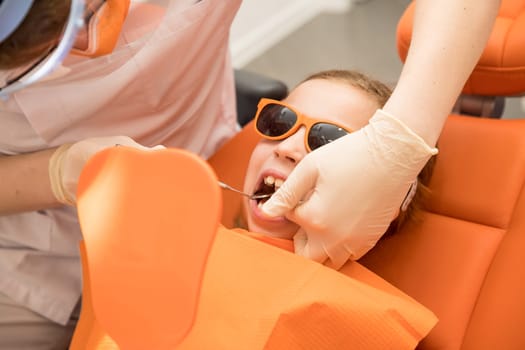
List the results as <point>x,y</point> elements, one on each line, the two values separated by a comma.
<point>24,184</point>
<point>360,180</point>
<point>49,178</point>
<point>448,38</point>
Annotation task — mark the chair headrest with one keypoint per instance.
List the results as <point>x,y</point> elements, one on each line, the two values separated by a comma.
<point>501,68</point>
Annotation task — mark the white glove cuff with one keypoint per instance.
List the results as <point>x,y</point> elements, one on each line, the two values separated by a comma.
<point>55,175</point>
<point>393,141</point>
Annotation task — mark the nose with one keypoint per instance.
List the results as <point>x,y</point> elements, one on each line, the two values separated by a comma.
<point>292,149</point>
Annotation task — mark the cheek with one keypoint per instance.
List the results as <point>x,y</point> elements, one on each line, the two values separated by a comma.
<point>254,166</point>
<point>259,155</point>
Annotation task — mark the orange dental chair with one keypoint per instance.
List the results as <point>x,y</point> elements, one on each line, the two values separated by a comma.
<point>463,260</point>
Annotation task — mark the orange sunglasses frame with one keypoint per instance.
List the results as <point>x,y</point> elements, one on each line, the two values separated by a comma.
<point>302,120</point>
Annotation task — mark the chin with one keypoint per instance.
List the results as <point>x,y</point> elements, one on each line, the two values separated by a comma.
<point>275,231</point>
<point>258,222</point>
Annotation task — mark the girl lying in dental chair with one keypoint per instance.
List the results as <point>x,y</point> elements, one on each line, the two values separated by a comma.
<point>248,294</point>
<point>325,106</point>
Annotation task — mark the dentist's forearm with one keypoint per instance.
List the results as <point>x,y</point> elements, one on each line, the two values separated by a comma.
<point>447,40</point>
<point>24,183</point>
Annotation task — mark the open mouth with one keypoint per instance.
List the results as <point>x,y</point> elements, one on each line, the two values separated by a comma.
<point>268,185</point>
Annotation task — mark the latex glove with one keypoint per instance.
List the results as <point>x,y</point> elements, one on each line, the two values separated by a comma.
<point>352,189</point>
<point>67,162</point>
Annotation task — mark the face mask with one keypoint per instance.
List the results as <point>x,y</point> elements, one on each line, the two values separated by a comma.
<point>104,20</point>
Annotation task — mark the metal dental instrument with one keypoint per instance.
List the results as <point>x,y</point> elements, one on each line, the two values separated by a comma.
<point>251,196</point>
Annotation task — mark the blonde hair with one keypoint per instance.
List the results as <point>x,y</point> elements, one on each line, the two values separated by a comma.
<point>37,34</point>
<point>381,93</point>
<point>375,88</point>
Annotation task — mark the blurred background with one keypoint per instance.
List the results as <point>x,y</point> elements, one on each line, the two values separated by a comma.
<point>289,40</point>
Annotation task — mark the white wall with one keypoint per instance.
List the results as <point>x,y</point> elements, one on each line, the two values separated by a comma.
<point>260,24</point>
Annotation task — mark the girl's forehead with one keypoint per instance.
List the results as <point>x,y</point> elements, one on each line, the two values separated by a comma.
<point>333,100</point>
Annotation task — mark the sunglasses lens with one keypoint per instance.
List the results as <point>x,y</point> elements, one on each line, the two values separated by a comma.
<point>275,120</point>
<point>323,133</point>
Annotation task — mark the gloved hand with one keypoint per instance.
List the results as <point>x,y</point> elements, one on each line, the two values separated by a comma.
<point>66,163</point>
<point>352,189</point>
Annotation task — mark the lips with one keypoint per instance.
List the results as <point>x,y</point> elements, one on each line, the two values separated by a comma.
<point>269,182</point>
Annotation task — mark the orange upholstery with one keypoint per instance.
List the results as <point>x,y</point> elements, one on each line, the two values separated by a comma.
<point>463,259</point>
<point>501,69</point>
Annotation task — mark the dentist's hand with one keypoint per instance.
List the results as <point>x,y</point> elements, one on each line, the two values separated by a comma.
<point>67,163</point>
<point>353,188</point>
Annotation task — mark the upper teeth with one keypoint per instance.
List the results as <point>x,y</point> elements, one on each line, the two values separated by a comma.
<point>270,180</point>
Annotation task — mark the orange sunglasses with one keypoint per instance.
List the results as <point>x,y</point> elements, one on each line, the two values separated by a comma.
<point>275,120</point>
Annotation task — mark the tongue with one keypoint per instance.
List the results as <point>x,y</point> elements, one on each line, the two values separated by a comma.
<point>265,189</point>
